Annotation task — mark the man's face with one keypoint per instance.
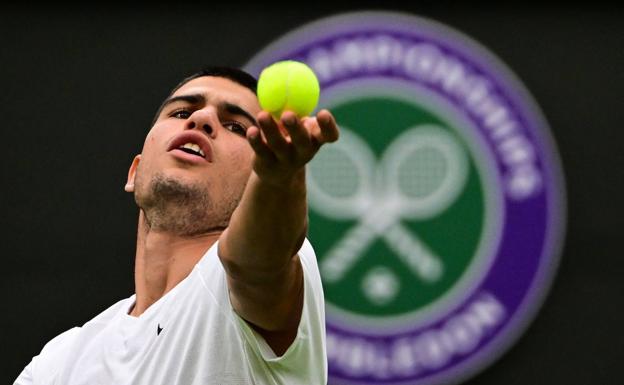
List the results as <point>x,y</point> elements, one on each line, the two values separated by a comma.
<point>196,159</point>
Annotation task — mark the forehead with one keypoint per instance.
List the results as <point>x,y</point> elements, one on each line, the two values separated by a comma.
<point>219,89</point>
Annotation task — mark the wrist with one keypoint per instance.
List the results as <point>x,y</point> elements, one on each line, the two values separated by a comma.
<point>281,181</point>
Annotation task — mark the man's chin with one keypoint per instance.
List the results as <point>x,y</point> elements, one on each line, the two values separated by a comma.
<point>182,176</point>
<point>167,187</point>
<point>176,204</point>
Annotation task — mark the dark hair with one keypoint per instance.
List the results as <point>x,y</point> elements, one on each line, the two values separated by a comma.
<point>234,74</point>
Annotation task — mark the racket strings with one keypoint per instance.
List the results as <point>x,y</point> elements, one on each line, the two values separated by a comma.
<point>335,173</point>
<point>422,173</point>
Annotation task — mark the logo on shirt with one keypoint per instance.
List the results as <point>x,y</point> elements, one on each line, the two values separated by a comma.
<point>158,330</point>
<point>437,218</point>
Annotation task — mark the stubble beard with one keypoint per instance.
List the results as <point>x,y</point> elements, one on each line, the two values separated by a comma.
<point>184,209</point>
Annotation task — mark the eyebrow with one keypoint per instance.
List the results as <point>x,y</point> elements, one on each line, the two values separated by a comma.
<point>201,99</point>
<point>237,110</point>
<point>192,99</point>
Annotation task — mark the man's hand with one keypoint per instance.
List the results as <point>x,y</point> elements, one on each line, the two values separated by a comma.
<point>259,248</point>
<point>282,149</point>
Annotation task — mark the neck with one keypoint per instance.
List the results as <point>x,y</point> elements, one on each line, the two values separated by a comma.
<point>163,259</point>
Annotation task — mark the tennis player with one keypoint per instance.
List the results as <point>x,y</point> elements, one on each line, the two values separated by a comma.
<point>227,285</point>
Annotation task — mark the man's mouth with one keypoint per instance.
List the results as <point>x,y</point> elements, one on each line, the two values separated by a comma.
<point>193,149</point>
<point>195,146</point>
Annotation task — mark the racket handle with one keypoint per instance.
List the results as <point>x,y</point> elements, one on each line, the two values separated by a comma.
<point>341,257</point>
<point>414,253</point>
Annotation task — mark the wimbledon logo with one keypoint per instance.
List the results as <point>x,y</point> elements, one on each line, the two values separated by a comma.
<point>437,217</point>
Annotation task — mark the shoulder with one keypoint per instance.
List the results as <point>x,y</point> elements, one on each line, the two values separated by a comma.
<point>307,254</point>
<point>313,314</point>
<point>62,340</point>
<point>305,361</point>
<point>47,362</point>
<point>313,288</point>
<point>56,346</point>
<point>55,352</point>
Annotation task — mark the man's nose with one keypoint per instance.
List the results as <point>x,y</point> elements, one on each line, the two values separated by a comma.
<point>203,119</point>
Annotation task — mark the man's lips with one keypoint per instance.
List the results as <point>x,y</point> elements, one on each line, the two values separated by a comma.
<point>187,157</point>
<point>196,138</point>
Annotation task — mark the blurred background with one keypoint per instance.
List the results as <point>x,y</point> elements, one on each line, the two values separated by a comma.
<point>79,87</point>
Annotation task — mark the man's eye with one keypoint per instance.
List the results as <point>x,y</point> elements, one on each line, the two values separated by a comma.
<point>180,114</point>
<point>236,128</point>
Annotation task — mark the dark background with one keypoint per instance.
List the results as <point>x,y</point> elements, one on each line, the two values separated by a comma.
<point>78,90</point>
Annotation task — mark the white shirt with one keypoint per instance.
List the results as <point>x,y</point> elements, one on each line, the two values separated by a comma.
<point>190,336</point>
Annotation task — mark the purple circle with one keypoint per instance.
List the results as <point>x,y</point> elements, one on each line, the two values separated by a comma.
<point>528,251</point>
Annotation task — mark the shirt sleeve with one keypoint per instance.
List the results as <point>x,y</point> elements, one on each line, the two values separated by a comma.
<point>45,365</point>
<point>26,377</point>
<point>305,361</point>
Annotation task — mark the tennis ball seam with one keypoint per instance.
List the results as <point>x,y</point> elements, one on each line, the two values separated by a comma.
<point>288,81</point>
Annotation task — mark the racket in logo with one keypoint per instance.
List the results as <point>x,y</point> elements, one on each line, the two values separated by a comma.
<point>419,175</point>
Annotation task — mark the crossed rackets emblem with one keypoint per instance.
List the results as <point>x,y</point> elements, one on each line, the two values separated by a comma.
<point>418,176</point>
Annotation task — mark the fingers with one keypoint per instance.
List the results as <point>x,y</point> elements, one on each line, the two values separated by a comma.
<point>275,139</point>
<point>293,140</point>
<point>254,137</point>
<point>329,129</point>
<point>299,135</point>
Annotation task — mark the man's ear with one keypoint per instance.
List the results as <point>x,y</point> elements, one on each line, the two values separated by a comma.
<point>132,173</point>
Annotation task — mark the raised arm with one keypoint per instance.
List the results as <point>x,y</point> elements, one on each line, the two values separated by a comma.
<point>258,249</point>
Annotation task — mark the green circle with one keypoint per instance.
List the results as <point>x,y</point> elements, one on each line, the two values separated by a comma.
<point>454,235</point>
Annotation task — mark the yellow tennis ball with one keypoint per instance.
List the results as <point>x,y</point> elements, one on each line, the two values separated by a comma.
<point>288,85</point>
